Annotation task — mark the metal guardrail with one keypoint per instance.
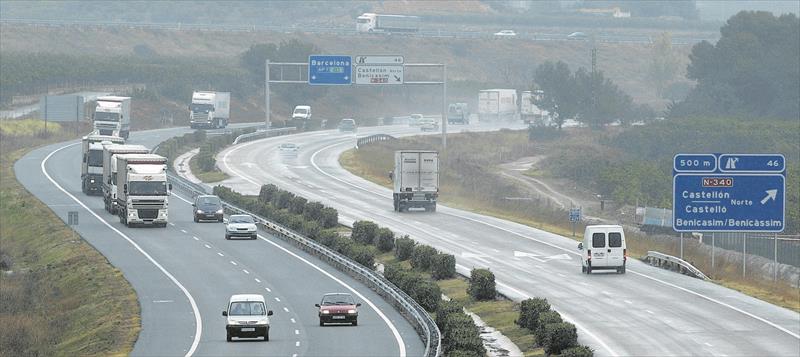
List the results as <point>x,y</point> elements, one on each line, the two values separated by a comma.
<point>419,318</point>
<point>673,263</point>
<point>372,139</point>
<point>261,134</point>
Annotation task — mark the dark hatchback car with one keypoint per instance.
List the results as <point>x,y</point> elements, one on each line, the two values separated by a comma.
<point>347,125</point>
<point>207,207</point>
<point>338,308</point>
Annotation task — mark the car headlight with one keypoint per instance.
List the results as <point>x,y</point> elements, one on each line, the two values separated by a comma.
<point>351,311</point>
<point>220,211</point>
<point>252,229</point>
<point>326,311</point>
<point>199,211</point>
<point>92,180</point>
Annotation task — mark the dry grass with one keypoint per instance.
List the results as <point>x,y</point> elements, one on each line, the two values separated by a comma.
<point>61,297</point>
<point>206,176</point>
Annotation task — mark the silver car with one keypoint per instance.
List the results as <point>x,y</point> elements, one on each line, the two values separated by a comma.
<point>241,226</point>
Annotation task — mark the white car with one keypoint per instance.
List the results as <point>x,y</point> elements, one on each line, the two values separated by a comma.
<point>413,119</point>
<point>577,36</point>
<point>247,316</point>
<point>289,147</point>
<point>240,225</point>
<point>428,124</point>
<point>505,33</point>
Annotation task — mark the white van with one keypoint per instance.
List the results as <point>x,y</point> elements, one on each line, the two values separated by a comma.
<point>605,249</point>
<point>302,112</point>
<point>247,317</point>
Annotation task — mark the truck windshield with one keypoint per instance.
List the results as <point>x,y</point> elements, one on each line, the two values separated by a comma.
<point>245,308</point>
<point>201,108</point>
<point>105,116</point>
<point>300,111</point>
<point>95,158</point>
<point>147,188</point>
<point>363,21</point>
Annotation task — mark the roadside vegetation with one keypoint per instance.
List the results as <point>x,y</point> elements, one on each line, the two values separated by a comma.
<point>58,295</point>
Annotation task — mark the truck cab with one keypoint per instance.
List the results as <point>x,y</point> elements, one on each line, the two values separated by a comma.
<point>112,116</point>
<point>92,161</point>
<point>209,110</point>
<point>110,171</point>
<point>458,113</point>
<point>142,190</point>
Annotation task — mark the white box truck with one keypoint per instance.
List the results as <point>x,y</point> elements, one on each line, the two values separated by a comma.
<point>142,189</point>
<point>416,179</point>
<point>92,161</point>
<point>497,105</point>
<point>529,112</point>
<point>112,116</point>
<point>110,171</point>
<point>210,110</point>
<point>370,22</point>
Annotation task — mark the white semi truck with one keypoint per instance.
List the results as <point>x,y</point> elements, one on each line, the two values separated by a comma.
<point>142,189</point>
<point>529,112</point>
<point>369,23</point>
<point>497,105</point>
<point>416,179</point>
<point>92,161</point>
<point>112,116</point>
<point>210,110</point>
<point>110,171</point>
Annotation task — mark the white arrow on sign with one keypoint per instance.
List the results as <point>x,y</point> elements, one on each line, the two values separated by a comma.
<point>771,195</point>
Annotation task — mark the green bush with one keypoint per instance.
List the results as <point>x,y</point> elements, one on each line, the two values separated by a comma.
<point>427,294</point>
<point>460,333</point>
<point>529,311</point>
<point>404,247</point>
<point>283,199</point>
<point>342,245</point>
<point>297,205</point>
<point>394,273</point>
<point>463,353</point>
<point>311,229</point>
<point>421,258</point>
<point>267,193</point>
<point>446,308</point>
<point>481,284</point>
<point>545,318</point>
<point>558,337</point>
<point>313,211</point>
<point>577,351</point>
<point>330,217</point>
<point>364,255</point>
<point>384,239</point>
<point>328,237</point>
<point>364,232</point>
<point>443,266</point>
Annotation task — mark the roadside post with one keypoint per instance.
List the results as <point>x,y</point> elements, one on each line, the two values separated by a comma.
<point>72,220</point>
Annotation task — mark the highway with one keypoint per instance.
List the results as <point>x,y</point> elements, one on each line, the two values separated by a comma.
<point>184,274</point>
<point>647,311</point>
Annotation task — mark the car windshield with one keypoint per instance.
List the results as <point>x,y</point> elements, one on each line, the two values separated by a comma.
<point>147,188</point>
<point>338,299</point>
<point>288,146</point>
<point>241,219</point>
<point>300,111</point>
<point>245,308</point>
<point>209,201</point>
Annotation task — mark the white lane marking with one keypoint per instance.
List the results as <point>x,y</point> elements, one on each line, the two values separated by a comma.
<point>162,301</point>
<point>650,312</point>
<point>198,320</point>
<point>285,309</point>
<point>606,293</point>
<point>781,328</point>
<point>220,254</point>
<point>708,344</point>
<point>195,238</point>
<point>400,342</point>
<point>293,321</point>
<point>245,271</point>
<point>294,355</point>
<point>584,283</point>
<point>268,290</point>
<point>277,299</point>
<point>207,246</point>
<point>257,280</point>
<point>562,275</point>
<point>297,344</point>
<point>183,231</point>
<point>628,302</point>
<point>296,332</point>
<point>172,224</point>
<point>233,262</point>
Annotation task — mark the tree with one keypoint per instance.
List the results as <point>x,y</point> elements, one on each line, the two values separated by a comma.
<point>664,63</point>
<point>555,80</point>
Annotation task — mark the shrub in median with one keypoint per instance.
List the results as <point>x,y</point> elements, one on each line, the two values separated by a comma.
<point>364,255</point>
<point>460,333</point>
<point>443,266</point>
<point>421,258</point>
<point>427,294</point>
<point>558,337</point>
<point>577,351</point>
<point>404,247</point>
<point>544,319</point>
<point>267,193</point>
<point>384,239</point>
<point>393,272</point>
<point>313,211</point>
<point>529,311</point>
<point>446,308</point>
<point>364,232</point>
<point>481,284</point>
<point>330,217</point>
<point>463,353</point>
<point>297,205</point>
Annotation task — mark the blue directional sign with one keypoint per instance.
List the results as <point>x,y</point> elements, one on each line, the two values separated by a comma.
<point>575,214</point>
<point>329,70</point>
<point>744,193</point>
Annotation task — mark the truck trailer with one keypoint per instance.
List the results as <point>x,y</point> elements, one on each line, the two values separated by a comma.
<point>112,116</point>
<point>92,161</point>
<point>110,171</point>
<point>416,180</point>
<point>497,105</point>
<point>210,110</point>
<point>142,189</point>
<point>369,23</point>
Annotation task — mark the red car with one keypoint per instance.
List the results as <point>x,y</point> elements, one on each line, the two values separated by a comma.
<point>338,308</point>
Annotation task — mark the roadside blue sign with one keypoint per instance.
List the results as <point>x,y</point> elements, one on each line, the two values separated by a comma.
<point>744,193</point>
<point>329,70</point>
<point>575,214</point>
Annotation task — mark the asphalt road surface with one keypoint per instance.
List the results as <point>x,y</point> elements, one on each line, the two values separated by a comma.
<point>185,273</point>
<point>648,311</point>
